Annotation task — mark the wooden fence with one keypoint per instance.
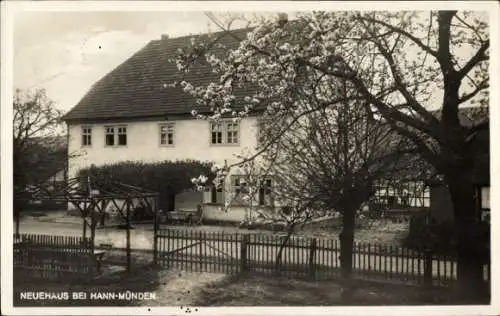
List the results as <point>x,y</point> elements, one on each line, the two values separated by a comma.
<point>316,258</point>
<point>53,257</point>
<point>116,256</point>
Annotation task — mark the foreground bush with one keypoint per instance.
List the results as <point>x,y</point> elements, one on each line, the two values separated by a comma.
<point>441,238</point>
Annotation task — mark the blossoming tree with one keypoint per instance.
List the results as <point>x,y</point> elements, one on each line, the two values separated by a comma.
<point>402,66</point>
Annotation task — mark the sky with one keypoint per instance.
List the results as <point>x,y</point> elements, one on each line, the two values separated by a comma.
<point>66,52</point>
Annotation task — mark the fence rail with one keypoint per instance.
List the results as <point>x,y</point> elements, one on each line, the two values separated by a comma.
<point>53,257</point>
<point>300,256</point>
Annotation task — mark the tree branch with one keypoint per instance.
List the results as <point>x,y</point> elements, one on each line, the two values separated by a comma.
<point>400,86</point>
<point>403,32</point>
<point>476,59</point>
<point>481,86</point>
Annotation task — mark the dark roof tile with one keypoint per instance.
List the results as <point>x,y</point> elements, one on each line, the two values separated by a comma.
<point>136,87</point>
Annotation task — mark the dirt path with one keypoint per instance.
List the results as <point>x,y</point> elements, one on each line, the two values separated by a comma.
<point>181,288</point>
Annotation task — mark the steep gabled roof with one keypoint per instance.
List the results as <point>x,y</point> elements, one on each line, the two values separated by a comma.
<point>136,88</point>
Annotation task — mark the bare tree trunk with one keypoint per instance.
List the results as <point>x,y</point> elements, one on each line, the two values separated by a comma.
<point>284,243</point>
<point>17,216</point>
<point>469,256</point>
<point>128,236</point>
<point>103,213</point>
<point>346,251</point>
<point>17,219</point>
<point>171,202</point>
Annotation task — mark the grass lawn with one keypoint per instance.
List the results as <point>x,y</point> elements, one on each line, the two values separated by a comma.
<point>180,288</point>
<point>382,232</point>
<point>172,288</point>
<point>258,290</point>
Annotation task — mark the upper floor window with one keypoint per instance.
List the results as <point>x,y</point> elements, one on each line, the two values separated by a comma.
<point>232,133</point>
<point>167,134</point>
<point>216,133</point>
<point>86,136</point>
<point>116,135</point>
<point>122,136</point>
<point>110,136</point>
<point>263,129</point>
<point>224,132</point>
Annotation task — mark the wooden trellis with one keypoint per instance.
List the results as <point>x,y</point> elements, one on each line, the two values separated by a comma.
<point>90,195</point>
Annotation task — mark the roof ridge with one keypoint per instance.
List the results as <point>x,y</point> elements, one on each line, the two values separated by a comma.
<point>135,87</point>
<point>167,37</point>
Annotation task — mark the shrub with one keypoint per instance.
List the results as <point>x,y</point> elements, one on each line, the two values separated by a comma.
<point>440,237</point>
<point>426,233</point>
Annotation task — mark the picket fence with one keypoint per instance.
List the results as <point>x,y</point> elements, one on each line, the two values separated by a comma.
<point>316,258</point>
<point>52,257</point>
<point>56,257</point>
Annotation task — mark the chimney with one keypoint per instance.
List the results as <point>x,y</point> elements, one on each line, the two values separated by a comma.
<point>164,36</point>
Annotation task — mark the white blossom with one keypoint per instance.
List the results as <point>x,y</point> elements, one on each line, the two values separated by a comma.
<point>202,178</point>
<point>215,168</point>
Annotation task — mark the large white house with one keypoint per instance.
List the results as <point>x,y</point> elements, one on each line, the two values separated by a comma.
<point>132,114</point>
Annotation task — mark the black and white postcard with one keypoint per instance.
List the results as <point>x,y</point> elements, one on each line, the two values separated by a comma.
<point>247,158</point>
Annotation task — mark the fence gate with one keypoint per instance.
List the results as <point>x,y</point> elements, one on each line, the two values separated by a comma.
<point>316,258</point>
<point>198,251</point>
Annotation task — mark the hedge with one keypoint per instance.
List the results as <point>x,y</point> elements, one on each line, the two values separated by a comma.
<point>168,178</point>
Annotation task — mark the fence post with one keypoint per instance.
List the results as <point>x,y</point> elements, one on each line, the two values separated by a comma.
<point>243,253</point>
<point>427,268</point>
<point>155,236</point>
<point>129,259</point>
<point>202,240</point>
<point>312,252</point>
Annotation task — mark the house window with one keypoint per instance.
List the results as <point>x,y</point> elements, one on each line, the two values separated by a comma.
<point>215,194</point>
<point>122,136</point>
<point>86,136</point>
<point>167,134</point>
<point>216,133</point>
<point>225,132</point>
<point>239,185</point>
<point>110,136</point>
<point>485,198</point>
<point>116,135</point>
<point>232,133</point>
<point>265,191</point>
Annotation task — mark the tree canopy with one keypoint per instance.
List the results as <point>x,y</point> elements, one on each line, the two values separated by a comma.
<point>413,70</point>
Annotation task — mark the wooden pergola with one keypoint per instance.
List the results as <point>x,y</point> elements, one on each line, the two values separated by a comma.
<point>91,196</point>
